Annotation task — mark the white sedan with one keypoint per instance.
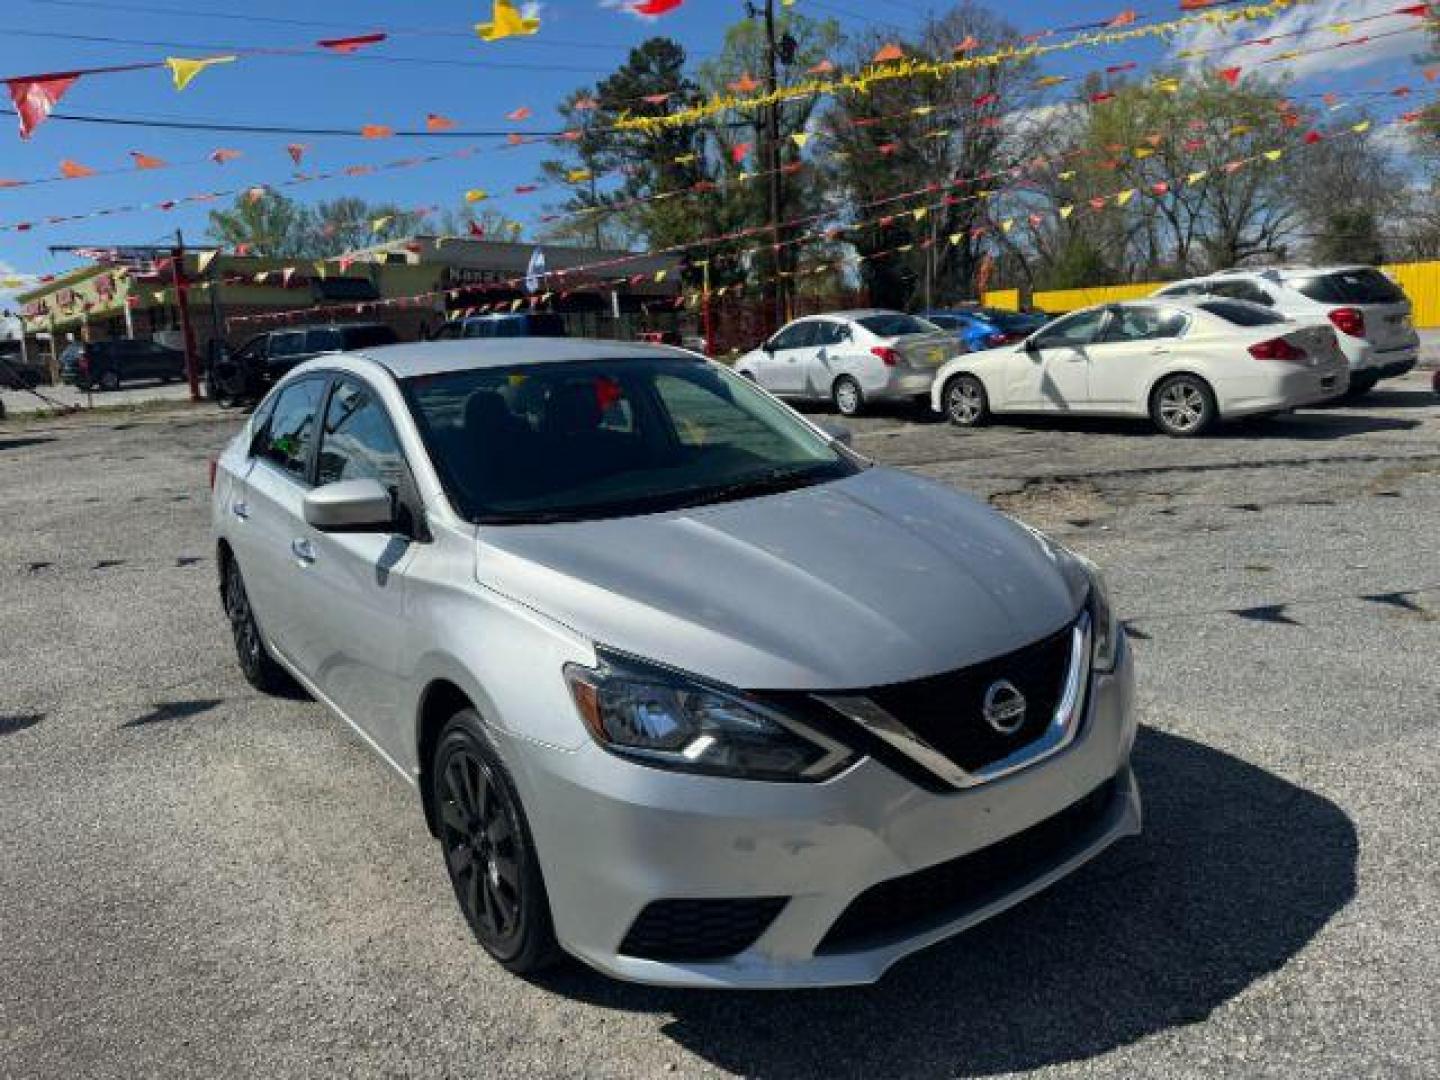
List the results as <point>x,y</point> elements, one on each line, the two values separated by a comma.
<point>851,358</point>
<point>1184,365</point>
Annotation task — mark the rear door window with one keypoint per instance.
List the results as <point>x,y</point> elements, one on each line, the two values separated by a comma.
<point>1364,286</point>
<point>287,438</point>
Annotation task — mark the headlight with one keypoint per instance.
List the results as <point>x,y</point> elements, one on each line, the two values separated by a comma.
<point>1106,628</point>
<point>667,720</point>
<point>1087,585</point>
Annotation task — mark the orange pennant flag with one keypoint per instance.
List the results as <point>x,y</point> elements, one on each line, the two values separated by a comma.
<point>73,170</point>
<point>436,122</point>
<point>145,161</point>
<point>1125,18</point>
<point>220,157</point>
<point>746,84</point>
<point>376,131</point>
<point>889,54</point>
<point>522,113</point>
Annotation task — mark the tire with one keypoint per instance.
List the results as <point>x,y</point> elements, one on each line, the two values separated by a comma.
<point>966,403</point>
<point>256,664</point>
<point>109,380</point>
<point>1183,406</point>
<point>488,850</point>
<point>849,399</point>
<point>1360,385</point>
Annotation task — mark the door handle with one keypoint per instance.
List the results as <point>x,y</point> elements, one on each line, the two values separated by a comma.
<point>303,550</point>
<point>240,510</point>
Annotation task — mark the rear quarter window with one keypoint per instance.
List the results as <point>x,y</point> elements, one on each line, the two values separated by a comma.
<point>1240,313</point>
<point>1366,286</point>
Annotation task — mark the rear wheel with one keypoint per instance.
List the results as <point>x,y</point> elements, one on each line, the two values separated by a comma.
<point>1183,406</point>
<point>848,397</point>
<point>1362,384</point>
<point>965,402</point>
<point>489,853</point>
<point>256,664</point>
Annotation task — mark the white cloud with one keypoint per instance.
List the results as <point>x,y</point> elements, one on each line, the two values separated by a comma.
<point>1231,50</point>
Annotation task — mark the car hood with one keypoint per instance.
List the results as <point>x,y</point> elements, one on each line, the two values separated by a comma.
<point>874,579</point>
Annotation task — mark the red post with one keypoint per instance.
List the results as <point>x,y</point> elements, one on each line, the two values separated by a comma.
<point>182,300</point>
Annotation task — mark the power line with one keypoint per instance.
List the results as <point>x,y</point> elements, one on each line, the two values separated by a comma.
<point>275,129</point>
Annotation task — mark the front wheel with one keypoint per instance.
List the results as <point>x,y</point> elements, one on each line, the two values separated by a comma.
<point>489,853</point>
<point>965,402</point>
<point>1183,406</point>
<point>849,398</point>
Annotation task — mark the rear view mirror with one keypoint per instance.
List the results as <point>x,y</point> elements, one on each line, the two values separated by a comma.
<point>351,506</point>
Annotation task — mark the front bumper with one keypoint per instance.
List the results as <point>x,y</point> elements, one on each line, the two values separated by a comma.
<point>613,837</point>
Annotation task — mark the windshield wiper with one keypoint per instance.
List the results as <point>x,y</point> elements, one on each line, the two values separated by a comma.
<point>766,483</point>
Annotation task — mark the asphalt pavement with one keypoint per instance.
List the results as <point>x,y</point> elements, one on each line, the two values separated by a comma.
<point>199,881</point>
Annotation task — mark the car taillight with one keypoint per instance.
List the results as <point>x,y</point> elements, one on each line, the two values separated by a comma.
<point>888,356</point>
<point>1277,349</point>
<point>995,340</point>
<point>1349,320</point>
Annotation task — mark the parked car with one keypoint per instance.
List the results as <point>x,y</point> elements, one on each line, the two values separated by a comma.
<point>246,374</point>
<point>107,365</point>
<point>617,615</point>
<point>851,358</point>
<point>508,325</point>
<point>17,370</point>
<point>1370,313</point>
<point>982,328</point>
<point>1184,365</point>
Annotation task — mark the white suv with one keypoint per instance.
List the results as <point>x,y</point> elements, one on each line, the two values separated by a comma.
<point>1370,312</point>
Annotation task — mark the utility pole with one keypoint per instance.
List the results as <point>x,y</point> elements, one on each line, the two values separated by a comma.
<point>182,300</point>
<point>770,138</point>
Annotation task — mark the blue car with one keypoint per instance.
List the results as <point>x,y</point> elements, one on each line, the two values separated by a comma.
<point>982,328</point>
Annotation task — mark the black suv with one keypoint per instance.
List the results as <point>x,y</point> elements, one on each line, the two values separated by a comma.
<point>108,364</point>
<point>246,374</point>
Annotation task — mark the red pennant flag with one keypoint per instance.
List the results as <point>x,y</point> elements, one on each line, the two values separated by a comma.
<point>970,42</point>
<point>1116,69</point>
<point>987,99</point>
<point>1418,10</point>
<point>655,7</point>
<point>1231,75</point>
<point>1162,187</point>
<point>145,161</point>
<point>739,152</point>
<point>655,99</point>
<point>1125,18</point>
<point>522,113</point>
<point>1101,96</point>
<point>296,151</point>
<point>35,98</point>
<point>1312,137</point>
<point>348,45</point>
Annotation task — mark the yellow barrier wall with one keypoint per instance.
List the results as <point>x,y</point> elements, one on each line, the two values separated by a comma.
<point>1421,282</point>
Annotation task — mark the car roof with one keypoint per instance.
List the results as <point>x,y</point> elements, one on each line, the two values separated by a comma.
<point>325,326</point>
<point>444,357</point>
<point>853,315</point>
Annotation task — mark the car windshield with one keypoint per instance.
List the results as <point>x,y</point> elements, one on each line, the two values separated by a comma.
<point>599,439</point>
<point>894,324</point>
<point>1364,286</point>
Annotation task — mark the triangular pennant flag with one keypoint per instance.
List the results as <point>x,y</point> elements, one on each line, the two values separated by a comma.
<point>296,151</point>
<point>348,45</point>
<point>746,84</point>
<point>145,161</point>
<point>436,122</point>
<point>824,67</point>
<point>379,223</point>
<point>1066,211</point>
<point>522,113</point>
<point>888,54</point>
<point>1274,155</point>
<point>206,258</point>
<point>376,131</point>
<point>476,195</point>
<point>506,21</point>
<point>183,71</point>
<point>800,138</point>
<point>1196,177</point>
<point>1230,74</point>
<point>1124,197</point>
<point>73,170</point>
<point>35,98</point>
<point>1361,127</point>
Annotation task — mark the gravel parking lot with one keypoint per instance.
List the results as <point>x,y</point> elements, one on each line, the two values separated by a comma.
<point>196,880</point>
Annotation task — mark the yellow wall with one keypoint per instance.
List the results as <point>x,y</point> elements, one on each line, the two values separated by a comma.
<point>1421,282</point>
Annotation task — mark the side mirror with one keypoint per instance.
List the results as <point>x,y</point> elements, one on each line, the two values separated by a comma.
<point>350,506</point>
<point>768,348</point>
<point>839,432</point>
<point>1031,345</point>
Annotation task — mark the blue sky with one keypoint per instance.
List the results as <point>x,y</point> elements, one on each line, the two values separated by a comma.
<point>443,69</point>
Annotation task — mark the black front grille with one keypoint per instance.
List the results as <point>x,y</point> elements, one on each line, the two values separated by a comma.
<point>947,710</point>
<point>700,929</point>
<point>938,894</point>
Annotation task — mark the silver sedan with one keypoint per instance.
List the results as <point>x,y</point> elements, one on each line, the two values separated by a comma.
<point>618,616</point>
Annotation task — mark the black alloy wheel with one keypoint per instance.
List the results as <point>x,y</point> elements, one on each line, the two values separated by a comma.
<point>259,668</point>
<point>488,851</point>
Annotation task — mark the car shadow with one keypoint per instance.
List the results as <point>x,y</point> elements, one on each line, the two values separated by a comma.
<point>1236,872</point>
<point>1383,397</point>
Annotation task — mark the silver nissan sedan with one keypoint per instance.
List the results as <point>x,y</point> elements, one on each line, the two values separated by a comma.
<point>688,689</point>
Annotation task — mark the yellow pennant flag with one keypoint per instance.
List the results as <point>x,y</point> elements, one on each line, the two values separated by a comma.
<point>1068,174</point>
<point>922,110</point>
<point>380,222</point>
<point>184,71</point>
<point>1124,197</point>
<point>955,239</point>
<point>1168,85</point>
<point>660,276</point>
<point>1196,177</point>
<point>1274,155</point>
<point>800,138</point>
<point>1066,211</point>
<point>476,195</point>
<point>921,213</point>
<point>578,176</point>
<point>1143,152</point>
<point>685,159</point>
<point>1050,80</point>
<point>506,21</point>
<point>1007,224</point>
<point>320,269</point>
<point>1361,127</point>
